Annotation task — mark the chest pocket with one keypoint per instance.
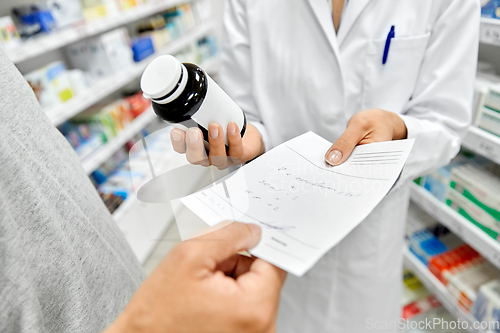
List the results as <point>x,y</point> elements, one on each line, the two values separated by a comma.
<point>390,86</point>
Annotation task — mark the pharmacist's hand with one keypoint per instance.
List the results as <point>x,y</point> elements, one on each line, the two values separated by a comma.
<point>241,150</point>
<point>367,126</point>
<point>203,285</point>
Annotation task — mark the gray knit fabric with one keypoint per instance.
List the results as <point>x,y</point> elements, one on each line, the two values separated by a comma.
<point>64,264</point>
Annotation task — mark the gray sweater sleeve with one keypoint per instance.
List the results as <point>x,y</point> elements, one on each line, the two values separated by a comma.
<point>64,264</point>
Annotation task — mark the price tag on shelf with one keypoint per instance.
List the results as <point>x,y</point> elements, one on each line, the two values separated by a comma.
<point>483,143</point>
<point>490,33</point>
<point>486,147</point>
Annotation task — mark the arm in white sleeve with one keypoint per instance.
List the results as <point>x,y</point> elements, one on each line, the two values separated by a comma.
<point>236,65</point>
<point>441,108</point>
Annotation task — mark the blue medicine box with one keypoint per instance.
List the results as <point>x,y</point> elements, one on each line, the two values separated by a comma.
<point>142,47</point>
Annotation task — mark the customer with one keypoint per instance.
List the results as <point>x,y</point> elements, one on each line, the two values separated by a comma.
<point>66,267</point>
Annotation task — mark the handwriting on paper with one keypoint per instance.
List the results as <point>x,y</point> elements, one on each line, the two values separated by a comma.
<point>304,206</point>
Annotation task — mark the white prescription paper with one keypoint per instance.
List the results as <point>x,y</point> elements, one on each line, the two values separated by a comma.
<point>304,206</point>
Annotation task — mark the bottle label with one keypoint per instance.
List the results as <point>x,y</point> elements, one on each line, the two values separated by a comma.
<point>218,107</point>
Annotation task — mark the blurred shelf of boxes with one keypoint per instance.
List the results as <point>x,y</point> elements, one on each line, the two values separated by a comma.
<point>454,219</point>
<point>439,290</point>
<point>464,281</point>
<point>465,195</point>
<point>463,228</point>
<point>78,27</point>
<point>104,152</point>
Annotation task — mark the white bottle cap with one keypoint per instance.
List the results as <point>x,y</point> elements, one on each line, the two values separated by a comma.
<point>161,76</point>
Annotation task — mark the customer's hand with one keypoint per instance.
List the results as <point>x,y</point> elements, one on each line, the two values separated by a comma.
<point>204,286</point>
<point>241,150</point>
<point>367,126</point>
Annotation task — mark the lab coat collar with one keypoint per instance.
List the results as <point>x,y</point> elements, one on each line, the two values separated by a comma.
<point>324,16</point>
<point>349,17</point>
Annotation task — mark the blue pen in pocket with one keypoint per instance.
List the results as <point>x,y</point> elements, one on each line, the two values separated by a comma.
<point>390,36</point>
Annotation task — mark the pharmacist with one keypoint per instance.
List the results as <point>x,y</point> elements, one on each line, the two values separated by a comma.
<point>66,267</point>
<point>379,70</point>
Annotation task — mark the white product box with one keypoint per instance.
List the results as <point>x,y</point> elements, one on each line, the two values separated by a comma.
<point>478,185</point>
<point>112,9</point>
<point>66,12</point>
<point>487,305</point>
<point>9,37</point>
<point>116,47</point>
<point>94,9</point>
<point>78,80</point>
<point>44,92</point>
<point>79,55</point>
<point>103,55</point>
<point>464,285</point>
<point>490,121</point>
<point>51,84</point>
<point>488,117</point>
<point>473,212</point>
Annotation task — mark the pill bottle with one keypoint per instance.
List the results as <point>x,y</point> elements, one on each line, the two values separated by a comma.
<point>185,96</point>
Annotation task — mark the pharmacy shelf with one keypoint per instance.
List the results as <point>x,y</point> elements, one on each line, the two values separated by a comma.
<point>438,289</point>
<point>490,31</point>
<point>57,39</point>
<point>483,143</point>
<point>459,225</point>
<point>113,83</point>
<point>103,153</point>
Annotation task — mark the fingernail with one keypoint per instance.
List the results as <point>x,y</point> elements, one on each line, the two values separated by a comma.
<point>214,131</point>
<point>176,135</point>
<point>334,157</point>
<point>256,231</point>
<point>193,135</point>
<point>231,128</point>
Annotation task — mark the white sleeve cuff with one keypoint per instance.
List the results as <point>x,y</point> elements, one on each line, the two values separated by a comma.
<point>413,126</point>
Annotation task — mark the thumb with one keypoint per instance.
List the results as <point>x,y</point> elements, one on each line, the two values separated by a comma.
<point>223,243</point>
<point>343,147</point>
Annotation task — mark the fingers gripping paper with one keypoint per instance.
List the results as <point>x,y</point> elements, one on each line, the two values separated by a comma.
<point>304,206</point>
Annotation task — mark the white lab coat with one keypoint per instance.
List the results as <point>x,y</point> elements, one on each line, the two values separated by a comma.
<point>291,73</point>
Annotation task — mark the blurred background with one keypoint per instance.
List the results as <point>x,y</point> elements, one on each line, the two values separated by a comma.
<point>84,59</point>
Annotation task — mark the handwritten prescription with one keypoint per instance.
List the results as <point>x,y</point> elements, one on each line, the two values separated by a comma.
<point>304,206</point>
